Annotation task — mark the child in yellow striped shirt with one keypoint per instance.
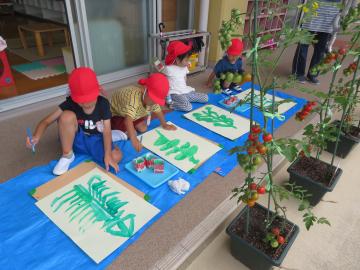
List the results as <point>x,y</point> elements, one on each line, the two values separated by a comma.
<point>132,106</point>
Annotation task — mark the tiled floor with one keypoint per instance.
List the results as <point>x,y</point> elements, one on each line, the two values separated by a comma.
<point>322,248</point>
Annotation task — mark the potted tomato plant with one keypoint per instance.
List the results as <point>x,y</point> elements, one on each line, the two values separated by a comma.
<point>347,98</point>
<point>310,172</point>
<point>261,237</point>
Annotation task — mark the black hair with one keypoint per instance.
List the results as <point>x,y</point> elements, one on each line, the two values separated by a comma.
<point>184,55</point>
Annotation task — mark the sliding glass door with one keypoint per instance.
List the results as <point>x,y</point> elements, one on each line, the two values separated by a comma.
<point>112,36</point>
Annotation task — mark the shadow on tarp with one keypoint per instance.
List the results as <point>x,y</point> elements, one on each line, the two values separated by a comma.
<point>29,240</point>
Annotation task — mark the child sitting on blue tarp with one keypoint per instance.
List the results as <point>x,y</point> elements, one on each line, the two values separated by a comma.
<point>177,62</point>
<point>84,123</point>
<point>231,62</point>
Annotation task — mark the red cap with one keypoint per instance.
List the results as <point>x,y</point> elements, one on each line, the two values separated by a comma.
<point>175,49</point>
<point>236,47</point>
<point>157,87</point>
<point>83,84</point>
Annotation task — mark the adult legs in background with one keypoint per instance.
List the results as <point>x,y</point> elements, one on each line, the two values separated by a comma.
<point>319,52</point>
<point>299,62</point>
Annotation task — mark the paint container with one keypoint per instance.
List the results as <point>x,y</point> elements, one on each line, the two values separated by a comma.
<point>139,164</point>
<point>149,160</point>
<point>158,166</point>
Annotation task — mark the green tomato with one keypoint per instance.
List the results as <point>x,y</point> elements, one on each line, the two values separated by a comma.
<point>247,169</point>
<point>222,76</point>
<point>274,243</point>
<point>244,159</point>
<point>257,160</point>
<point>237,78</point>
<point>237,12</point>
<point>229,77</point>
<point>217,82</point>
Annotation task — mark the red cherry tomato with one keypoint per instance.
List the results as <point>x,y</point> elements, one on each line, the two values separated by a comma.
<point>251,150</point>
<point>261,190</point>
<point>255,129</point>
<point>253,186</point>
<point>261,149</point>
<point>275,231</point>
<point>342,51</point>
<point>253,137</point>
<point>267,137</point>
<point>280,239</point>
<point>307,108</point>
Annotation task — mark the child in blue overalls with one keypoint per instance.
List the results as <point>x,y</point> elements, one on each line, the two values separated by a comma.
<point>84,123</point>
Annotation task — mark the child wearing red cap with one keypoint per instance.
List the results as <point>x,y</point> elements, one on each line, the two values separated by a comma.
<point>84,123</point>
<point>177,62</point>
<point>231,62</point>
<point>132,106</point>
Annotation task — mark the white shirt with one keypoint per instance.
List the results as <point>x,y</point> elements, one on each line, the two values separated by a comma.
<point>177,79</point>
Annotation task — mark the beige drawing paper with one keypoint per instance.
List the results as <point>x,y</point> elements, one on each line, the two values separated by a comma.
<point>99,216</point>
<point>284,107</point>
<point>220,121</point>
<point>181,148</point>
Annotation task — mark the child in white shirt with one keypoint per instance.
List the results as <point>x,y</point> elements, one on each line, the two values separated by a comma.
<point>177,61</point>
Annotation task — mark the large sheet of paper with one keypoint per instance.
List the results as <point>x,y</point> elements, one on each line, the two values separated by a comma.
<point>220,121</point>
<point>97,213</point>
<point>284,107</point>
<point>181,148</point>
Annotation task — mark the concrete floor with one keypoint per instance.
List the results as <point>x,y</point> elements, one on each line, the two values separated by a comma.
<point>323,247</point>
<point>156,242</point>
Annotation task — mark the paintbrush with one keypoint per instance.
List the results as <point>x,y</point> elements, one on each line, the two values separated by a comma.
<point>28,131</point>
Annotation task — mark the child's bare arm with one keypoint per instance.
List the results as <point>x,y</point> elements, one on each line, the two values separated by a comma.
<point>107,147</point>
<point>131,132</point>
<point>42,126</point>
<point>163,123</point>
<point>210,79</point>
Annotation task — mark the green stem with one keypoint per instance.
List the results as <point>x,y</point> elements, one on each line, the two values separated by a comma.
<point>247,220</point>
<point>344,112</point>
<point>254,69</point>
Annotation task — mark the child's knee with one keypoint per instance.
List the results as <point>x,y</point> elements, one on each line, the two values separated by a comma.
<point>67,117</point>
<point>117,155</point>
<point>141,127</point>
<point>187,107</point>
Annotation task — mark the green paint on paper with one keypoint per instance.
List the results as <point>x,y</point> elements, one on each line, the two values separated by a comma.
<point>94,204</point>
<point>218,120</point>
<point>184,151</point>
<point>147,197</point>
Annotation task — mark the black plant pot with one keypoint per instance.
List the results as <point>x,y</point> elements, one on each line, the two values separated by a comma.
<point>316,189</point>
<point>250,255</point>
<point>346,143</point>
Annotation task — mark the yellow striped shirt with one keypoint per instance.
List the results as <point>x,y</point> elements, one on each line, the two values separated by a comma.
<point>127,101</point>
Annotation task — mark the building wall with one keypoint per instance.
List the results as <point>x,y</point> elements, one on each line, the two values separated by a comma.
<point>219,10</point>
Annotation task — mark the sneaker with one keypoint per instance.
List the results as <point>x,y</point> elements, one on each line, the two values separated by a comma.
<point>313,80</point>
<point>118,135</point>
<point>63,165</point>
<point>301,79</point>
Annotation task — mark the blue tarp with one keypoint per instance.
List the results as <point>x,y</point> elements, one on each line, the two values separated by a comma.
<point>29,240</point>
